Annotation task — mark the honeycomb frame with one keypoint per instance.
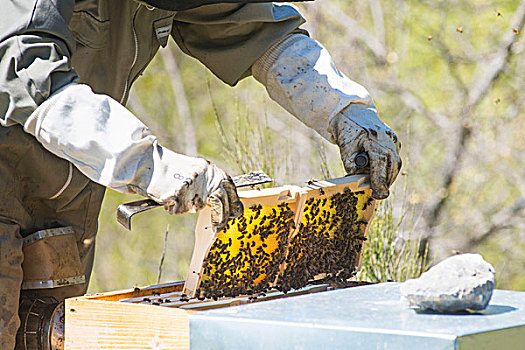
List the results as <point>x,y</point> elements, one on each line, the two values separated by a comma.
<point>288,237</point>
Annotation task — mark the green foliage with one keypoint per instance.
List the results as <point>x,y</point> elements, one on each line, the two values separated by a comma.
<point>252,143</point>
<point>421,71</point>
<point>388,255</point>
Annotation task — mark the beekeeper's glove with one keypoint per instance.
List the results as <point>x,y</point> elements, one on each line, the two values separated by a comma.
<point>358,128</point>
<point>186,184</point>
<point>300,75</point>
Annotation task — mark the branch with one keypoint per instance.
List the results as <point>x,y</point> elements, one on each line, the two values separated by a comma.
<point>487,75</point>
<point>159,276</point>
<point>183,108</point>
<point>354,30</point>
<point>491,70</point>
<point>503,223</point>
<point>153,123</point>
<point>453,61</point>
<point>414,102</point>
<point>379,21</point>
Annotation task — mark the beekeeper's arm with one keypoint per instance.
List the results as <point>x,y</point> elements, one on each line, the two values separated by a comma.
<point>94,132</point>
<point>300,75</point>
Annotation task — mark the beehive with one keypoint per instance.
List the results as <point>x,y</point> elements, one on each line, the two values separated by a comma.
<point>288,237</point>
<point>151,317</point>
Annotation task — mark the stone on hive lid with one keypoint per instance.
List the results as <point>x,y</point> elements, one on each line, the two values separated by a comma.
<point>457,283</point>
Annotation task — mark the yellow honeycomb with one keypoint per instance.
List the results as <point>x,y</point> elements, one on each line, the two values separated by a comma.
<point>265,248</point>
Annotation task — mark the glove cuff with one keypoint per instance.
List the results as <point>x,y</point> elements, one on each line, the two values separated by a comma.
<point>261,67</point>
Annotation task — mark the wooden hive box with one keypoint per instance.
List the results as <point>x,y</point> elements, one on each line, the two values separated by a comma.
<point>273,251</point>
<point>148,318</point>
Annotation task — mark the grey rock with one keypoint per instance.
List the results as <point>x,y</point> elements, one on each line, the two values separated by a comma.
<point>461,282</point>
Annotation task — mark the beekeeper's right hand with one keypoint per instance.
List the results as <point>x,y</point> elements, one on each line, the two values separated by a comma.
<point>186,184</point>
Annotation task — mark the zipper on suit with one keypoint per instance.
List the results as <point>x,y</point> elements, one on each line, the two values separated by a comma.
<point>135,57</point>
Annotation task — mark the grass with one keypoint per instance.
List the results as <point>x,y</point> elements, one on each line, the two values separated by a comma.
<point>388,255</point>
<point>252,145</point>
<point>393,251</point>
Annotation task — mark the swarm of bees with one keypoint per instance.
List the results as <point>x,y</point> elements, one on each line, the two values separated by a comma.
<point>328,243</point>
<point>246,256</point>
<point>270,248</point>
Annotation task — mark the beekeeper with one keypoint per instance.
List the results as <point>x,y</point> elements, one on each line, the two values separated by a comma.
<point>66,69</point>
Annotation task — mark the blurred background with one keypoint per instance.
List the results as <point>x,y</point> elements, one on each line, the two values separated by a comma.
<point>447,76</point>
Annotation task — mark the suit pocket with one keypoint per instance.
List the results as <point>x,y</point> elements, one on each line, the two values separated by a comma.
<point>88,30</point>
